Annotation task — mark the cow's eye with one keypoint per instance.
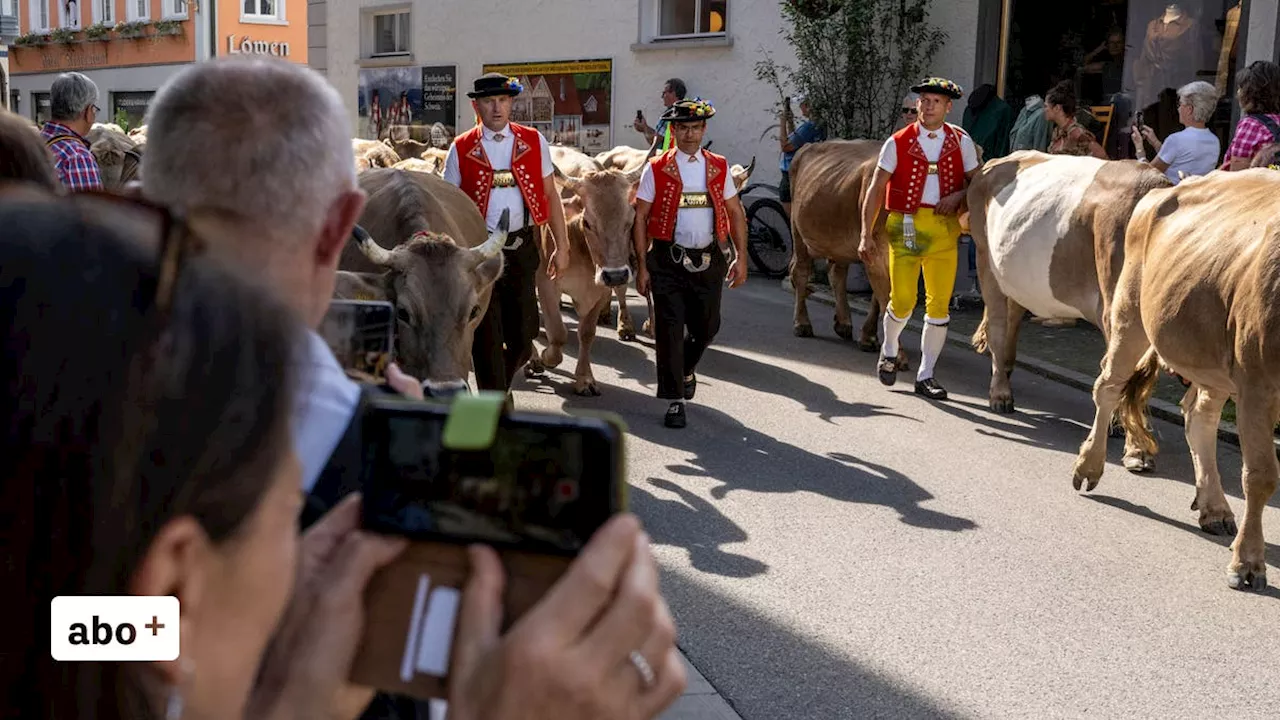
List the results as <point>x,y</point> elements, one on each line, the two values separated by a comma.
<point>403,316</point>
<point>475,312</point>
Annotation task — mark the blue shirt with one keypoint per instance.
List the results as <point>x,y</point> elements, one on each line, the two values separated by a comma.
<point>807,133</point>
<point>325,402</point>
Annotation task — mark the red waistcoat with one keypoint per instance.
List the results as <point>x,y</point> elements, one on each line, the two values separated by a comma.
<point>668,186</point>
<point>906,185</point>
<point>526,165</point>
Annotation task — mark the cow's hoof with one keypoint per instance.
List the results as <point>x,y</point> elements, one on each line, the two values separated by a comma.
<point>627,334</point>
<point>1085,476</point>
<point>1248,578</point>
<point>552,358</point>
<point>647,328</point>
<point>534,368</point>
<point>804,331</point>
<point>1222,527</point>
<point>868,346</point>
<point>844,331</point>
<point>1002,405</point>
<point>586,388</point>
<point>1139,463</point>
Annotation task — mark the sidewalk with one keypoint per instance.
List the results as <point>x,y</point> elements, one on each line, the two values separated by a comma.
<point>700,701</point>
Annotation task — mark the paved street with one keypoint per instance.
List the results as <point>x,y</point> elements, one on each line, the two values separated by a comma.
<point>836,549</point>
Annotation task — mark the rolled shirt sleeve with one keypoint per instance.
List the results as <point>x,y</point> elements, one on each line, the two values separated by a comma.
<point>451,172</point>
<point>647,189</point>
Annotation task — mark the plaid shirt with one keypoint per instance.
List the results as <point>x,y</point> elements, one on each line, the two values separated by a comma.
<point>77,167</point>
<point>1251,135</point>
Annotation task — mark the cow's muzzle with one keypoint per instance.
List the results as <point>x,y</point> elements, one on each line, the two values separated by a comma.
<point>444,390</point>
<point>613,277</point>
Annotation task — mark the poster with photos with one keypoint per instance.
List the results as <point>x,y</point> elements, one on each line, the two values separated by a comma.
<point>570,102</point>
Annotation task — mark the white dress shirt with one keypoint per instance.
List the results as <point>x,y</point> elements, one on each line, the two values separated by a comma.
<point>499,153</point>
<point>932,148</point>
<point>695,227</point>
<point>325,401</point>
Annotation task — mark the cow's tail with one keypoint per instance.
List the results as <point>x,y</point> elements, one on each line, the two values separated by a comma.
<point>1133,402</point>
<point>979,339</point>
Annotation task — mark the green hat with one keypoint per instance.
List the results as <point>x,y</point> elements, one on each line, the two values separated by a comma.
<point>939,86</point>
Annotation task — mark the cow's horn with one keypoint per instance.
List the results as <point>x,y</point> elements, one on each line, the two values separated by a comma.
<point>497,239</point>
<point>377,254</point>
<point>752,167</point>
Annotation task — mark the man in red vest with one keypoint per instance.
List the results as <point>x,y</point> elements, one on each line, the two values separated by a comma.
<point>504,166</point>
<point>920,180</point>
<point>688,207</point>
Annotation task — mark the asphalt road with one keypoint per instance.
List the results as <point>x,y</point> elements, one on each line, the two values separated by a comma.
<point>836,549</point>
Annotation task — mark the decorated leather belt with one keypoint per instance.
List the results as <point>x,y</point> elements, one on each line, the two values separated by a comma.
<point>504,179</point>
<point>694,200</point>
<point>933,168</point>
<point>682,256</point>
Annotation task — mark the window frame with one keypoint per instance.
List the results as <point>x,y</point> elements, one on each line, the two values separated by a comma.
<point>167,11</point>
<point>373,31</point>
<point>65,22</point>
<point>33,7</point>
<point>276,18</point>
<point>697,20</point>
<point>98,6</point>
<point>131,11</point>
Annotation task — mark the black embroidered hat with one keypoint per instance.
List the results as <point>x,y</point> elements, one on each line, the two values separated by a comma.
<point>939,86</point>
<point>495,84</point>
<point>689,111</point>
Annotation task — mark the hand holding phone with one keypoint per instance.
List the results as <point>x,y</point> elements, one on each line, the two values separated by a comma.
<point>361,334</point>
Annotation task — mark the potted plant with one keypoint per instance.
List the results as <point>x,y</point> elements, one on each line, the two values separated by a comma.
<point>98,32</point>
<point>66,36</point>
<point>133,29</point>
<point>31,39</point>
<point>168,27</point>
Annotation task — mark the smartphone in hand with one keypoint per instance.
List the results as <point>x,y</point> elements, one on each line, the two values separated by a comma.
<point>361,334</point>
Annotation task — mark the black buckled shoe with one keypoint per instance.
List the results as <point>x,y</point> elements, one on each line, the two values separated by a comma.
<point>675,416</point>
<point>690,387</point>
<point>931,389</point>
<point>888,371</point>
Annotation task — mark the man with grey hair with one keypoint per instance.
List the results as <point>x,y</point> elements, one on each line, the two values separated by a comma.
<point>73,108</point>
<point>1193,150</point>
<point>256,153</point>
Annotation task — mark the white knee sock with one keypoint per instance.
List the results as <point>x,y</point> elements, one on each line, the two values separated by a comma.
<point>932,340</point>
<point>893,327</point>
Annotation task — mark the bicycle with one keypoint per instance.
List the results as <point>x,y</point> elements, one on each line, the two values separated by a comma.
<point>768,232</point>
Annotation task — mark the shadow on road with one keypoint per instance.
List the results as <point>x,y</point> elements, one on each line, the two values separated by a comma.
<point>667,520</point>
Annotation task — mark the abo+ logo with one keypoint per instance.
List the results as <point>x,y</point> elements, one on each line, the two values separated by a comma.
<point>114,628</point>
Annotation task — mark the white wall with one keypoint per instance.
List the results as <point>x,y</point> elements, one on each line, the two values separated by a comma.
<point>1262,31</point>
<point>955,61</point>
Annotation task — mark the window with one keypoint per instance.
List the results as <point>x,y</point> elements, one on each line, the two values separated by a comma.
<point>173,8</point>
<point>39,15</point>
<point>104,11</point>
<point>391,34</point>
<point>40,107</point>
<point>258,9</point>
<point>69,13</point>
<point>138,9</point>
<point>15,99</point>
<point>9,7</point>
<point>685,18</point>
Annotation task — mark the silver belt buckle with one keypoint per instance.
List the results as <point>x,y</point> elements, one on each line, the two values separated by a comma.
<point>678,254</point>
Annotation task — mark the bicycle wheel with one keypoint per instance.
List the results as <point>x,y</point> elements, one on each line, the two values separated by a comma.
<point>769,237</point>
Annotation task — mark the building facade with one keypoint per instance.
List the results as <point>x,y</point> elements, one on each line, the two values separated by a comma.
<point>397,59</point>
<point>131,47</point>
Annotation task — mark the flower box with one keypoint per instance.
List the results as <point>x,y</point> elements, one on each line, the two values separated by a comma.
<point>168,27</point>
<point>134,30</point>
<point>66,36</point>
<point>98,32</point>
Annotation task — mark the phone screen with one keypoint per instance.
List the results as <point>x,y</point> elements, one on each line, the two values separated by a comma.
<point>547,484</point>
<point>361,334</point>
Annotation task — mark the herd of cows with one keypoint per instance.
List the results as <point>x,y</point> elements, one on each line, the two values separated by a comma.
<point>1182,277</point>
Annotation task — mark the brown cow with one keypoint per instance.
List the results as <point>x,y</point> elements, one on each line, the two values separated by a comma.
<point>828,181</point>
<point>1198,294</point>
<point>572,162</point>
<point>111,147</point>
<point>373,154</point>
<point>439,272</point>
<point>623,157</point>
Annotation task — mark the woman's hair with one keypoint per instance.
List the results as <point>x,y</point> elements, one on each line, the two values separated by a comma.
<point>23,155</point>
<point>120,419</point>
<point>1258,88</point>
<point>1203,99</point>
<point>1063,95</point>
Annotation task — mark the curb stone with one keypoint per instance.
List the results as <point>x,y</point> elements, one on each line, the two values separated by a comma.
<point>1162,409</point>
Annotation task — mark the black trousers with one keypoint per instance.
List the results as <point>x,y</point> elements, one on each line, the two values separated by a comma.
<point>686,311</point>
<point>504,337</point>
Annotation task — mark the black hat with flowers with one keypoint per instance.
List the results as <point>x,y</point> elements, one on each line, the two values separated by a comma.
<point>939,86</point>
<point>693,110</point>
<point>496,84</point>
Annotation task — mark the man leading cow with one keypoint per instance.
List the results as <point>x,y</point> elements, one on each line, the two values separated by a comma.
<point>505,166</point>
<point>920,180</point>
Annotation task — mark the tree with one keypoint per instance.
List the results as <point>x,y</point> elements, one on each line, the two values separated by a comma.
<point>856,59</point>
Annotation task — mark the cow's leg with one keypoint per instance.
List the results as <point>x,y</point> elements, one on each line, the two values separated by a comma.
<point>801,269</point>
<point>606,316</point>
<point>549,301</point>
<point>626,326</point>
<point>584,383</point>
<point>998,334</point>
<point>838,278</point>
<point>1256,419</point>
<point>881,286</point>
<point>1203,410</point>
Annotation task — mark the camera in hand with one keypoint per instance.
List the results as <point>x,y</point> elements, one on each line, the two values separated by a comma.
<point>545,486</point>
<point>361,334</point>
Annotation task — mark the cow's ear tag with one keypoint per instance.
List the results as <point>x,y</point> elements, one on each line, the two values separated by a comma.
<point>473,421</point>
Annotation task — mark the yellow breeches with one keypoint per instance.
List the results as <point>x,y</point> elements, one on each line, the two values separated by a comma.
<point>937,250</point>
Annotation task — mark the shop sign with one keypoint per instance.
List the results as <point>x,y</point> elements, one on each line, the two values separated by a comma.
<point>249,46</point>
<point>59,59</point>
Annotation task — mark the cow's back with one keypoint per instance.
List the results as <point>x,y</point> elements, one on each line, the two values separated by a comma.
<point>1053,228</point>
<point>828,183</point>
<point>403,202</point>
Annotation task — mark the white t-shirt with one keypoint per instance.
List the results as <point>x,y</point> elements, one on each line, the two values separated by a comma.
<point>932,150</point>
<point>695,227</point>
<point>1193,151</point>
<point>499,154</point>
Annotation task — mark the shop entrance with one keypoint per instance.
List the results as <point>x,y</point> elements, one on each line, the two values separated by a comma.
<point>1123,57</point>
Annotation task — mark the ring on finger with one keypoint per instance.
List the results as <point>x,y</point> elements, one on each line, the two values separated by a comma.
<point>643,667</point>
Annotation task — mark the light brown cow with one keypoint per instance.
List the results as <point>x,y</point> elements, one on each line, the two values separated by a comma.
<point>623,157</point>
<point>828,182</point>
<point>1049,231</point>
<point>434,260</point>
<point>437,156</point>
<point>572,162</point>
<point>1198,294</point>
<point>599,224</point>
<point>111,147</point>
<point>420,165</point>
<point>373,154</point>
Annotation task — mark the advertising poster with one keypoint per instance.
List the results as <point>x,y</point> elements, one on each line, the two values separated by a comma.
<point>570,103</point>
<point>408,103</point>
